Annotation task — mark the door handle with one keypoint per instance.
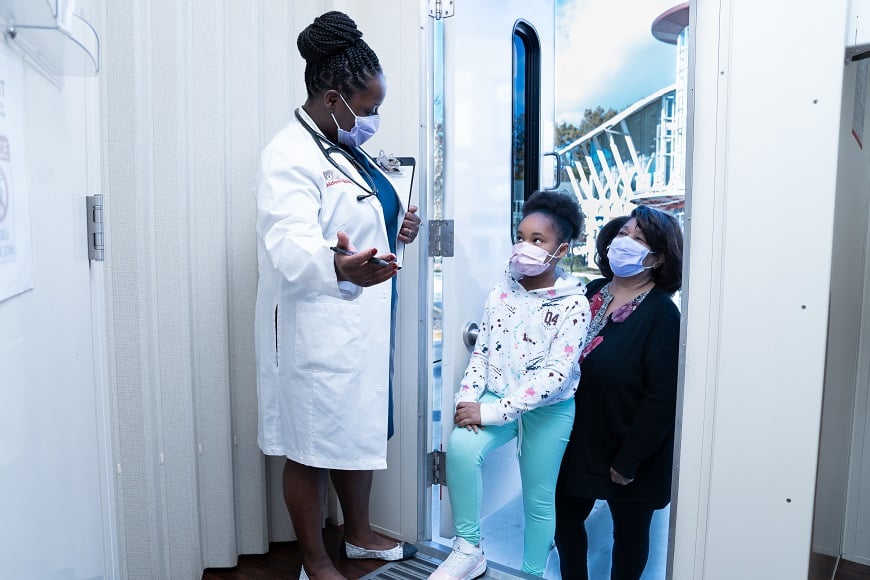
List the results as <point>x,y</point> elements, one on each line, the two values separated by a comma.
<point>469,333</point>
<point>558,178</point>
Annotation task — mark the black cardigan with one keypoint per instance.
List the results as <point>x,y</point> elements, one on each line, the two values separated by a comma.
<point>625,407</point>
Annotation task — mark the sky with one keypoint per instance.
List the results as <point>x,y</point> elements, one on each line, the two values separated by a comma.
<point>606,54</point>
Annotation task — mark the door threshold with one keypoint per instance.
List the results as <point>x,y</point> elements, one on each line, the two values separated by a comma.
<point>429,556</point>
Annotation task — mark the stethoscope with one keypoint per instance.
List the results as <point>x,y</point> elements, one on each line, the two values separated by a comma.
<point>333,148</point>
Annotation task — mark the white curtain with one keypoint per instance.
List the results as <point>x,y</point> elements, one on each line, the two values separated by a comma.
<point>191,91</point>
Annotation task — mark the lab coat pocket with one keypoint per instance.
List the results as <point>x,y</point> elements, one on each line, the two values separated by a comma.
<point>326,337</point>
<point>277,337</point>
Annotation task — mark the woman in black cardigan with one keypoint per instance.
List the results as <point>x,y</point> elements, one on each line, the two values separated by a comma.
<point>621,448</point>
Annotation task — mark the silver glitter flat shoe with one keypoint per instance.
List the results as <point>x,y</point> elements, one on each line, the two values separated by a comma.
<point>401,551</point>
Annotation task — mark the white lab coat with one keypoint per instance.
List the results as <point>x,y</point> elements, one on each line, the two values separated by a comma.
<point>322,347</point>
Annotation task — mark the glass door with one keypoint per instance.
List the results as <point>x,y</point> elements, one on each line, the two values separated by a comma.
<point>493,107</point>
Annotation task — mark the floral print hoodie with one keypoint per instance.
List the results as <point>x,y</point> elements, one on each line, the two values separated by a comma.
<point>527,351</point>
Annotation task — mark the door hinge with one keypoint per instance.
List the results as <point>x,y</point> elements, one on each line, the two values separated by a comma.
<point>436,468</point>
<point>439,9</point>
<point>441,238</point>
<point>95,227</point>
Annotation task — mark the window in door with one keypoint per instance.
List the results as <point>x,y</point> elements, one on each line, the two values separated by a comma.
<point>526,131</point>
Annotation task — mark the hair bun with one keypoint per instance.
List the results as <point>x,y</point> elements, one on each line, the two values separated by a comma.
<point>329,34</point>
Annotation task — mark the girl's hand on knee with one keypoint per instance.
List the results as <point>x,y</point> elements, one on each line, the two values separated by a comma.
<point>468,415</point>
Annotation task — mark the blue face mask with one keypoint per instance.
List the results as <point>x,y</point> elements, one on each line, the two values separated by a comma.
<point>363,129</point>
<point>626,256</point>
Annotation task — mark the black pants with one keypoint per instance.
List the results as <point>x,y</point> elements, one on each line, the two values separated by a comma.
<point>631,522</point>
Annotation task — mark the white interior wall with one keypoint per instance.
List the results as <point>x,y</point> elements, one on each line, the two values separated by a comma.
<point>756,313</point>
<point>395,30</point>
<point>192,92</point>
<point>857,527</point>
<point>857,515</point>
<point>843,355</point>
<point>55,465</point>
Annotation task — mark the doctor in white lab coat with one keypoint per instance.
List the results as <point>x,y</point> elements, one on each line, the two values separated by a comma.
<point>324,317</point>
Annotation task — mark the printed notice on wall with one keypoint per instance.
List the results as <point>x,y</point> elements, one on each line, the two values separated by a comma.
<point>860,101</point>
<point>16,260</point>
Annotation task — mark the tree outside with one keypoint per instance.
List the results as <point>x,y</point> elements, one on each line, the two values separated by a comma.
<point>567,133</point>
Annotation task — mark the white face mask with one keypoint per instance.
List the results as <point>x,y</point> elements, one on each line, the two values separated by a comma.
<point>363,129</point>
<point>529,260</point>
<point>626,256</point>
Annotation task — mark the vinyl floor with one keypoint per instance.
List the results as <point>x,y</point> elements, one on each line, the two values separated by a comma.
<point>284,560</point>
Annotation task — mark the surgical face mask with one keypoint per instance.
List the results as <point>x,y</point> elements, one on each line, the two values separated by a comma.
<point>626,256</point>
<point>363,129</point>
<point>529,260</point>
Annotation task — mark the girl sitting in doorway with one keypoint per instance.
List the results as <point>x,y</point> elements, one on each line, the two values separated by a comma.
<point>520,383</point>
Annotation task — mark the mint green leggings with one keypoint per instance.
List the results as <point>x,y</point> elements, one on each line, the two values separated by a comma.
<point>543,436</point>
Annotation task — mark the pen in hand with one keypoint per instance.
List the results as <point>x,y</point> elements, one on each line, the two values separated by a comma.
<point>345,252</point>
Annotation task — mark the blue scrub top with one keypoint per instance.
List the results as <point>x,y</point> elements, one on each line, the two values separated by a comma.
<point>386,194</point>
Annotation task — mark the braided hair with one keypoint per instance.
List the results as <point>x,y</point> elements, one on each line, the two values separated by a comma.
<point>336,56</point>
<point>562,209</point>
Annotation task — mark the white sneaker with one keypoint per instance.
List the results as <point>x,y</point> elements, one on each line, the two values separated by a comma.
<point>465,562</point>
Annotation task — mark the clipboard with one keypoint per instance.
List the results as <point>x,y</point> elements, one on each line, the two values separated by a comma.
<point>400,171</point>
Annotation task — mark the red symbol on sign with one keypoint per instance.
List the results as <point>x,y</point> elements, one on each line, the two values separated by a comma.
<point>4,196</point>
